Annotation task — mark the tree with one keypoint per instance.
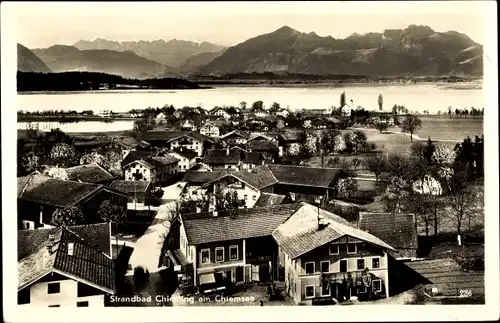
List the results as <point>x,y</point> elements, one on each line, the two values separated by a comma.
<point>63,154</point>
<point>275,107</point>
<point>380,102</point>
<point>395,193</point>
<point>376,164</point>
<point>310,145</point>
<point>411,124</point>
<point>92,158</point>
<point>355,162</point>
<point>243,105</point>
<point>339,144</point>
<point>307,125</point>
<point>360,140</point>
<point>257,106</point>
<point>29,162</point>
<point>280,125</point>
<point>110,212</point>
<point>68,216</point>
<point>349,140</point>
<point>461,197</point>
<point>342,99</point>
<point>421,206</point>
<point>443,156</point>
<point>398,166</point>
<point>57,172</point>
<point>346,187</point>
<point>293,149</point>
<point>381,126</point>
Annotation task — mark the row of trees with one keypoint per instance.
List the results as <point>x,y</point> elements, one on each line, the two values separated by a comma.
<point>431,179</point>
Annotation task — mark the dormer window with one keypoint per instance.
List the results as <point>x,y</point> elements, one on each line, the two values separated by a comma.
<point>334,249</point>
<point>351,248</point>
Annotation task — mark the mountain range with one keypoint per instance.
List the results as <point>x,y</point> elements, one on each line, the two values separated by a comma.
<point>413,51</point>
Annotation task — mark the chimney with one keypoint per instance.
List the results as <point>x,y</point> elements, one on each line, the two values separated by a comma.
<point>50,243</point>
<point>71,246</point>
<point>321,222</point>
<point>227,150</point>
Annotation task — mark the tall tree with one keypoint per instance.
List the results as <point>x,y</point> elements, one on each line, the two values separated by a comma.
<point>68,216</point>
<point>411,124</point>
<point>395,194</point>
<point>347,187</point>
<point>381,126</point>
<point>257,106</point>
<point>342,99</point>
<point>243,105</point>
<point>63,154</point>
<point>275,107</point>
<point>380,102</point>
<point>110,212</point>
<point>376,164</point>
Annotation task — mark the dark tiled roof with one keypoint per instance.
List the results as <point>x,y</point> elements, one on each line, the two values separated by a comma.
<point>90,173</point>
<point>221,156</point>
<point>262,145</point>
<point>258,177</point>
<point>51,191</point>
<point>300,233</point>
<point>161,135</point>
<point>135,155</point>
<point>184,152</point>
<point>167,160</point>
<point>98,235</point>
<point>398,230</point>
<point>253,157</point>
<point>291,136</point>
<point>129,187</point>
<point>235,134</point>
<point>306,176</point>
<point>128,142</point>
<point>268,199</point>
<point>235,224</point>
<point>200,177</point>
<point>448,277</point>
<point>87,263</point>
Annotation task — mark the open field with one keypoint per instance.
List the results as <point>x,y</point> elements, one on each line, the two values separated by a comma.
<point>444,128</point>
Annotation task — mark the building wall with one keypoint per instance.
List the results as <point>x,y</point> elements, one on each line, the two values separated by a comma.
<point>245,192</point>
<point>295,270</point>
<point>211,131</point>
<point>189,143</point>
<point>147,173</point>
<point>184,163</point>
<point>67,297</point>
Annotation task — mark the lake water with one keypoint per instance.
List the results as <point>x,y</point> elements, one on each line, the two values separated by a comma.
<point>415,97</point>
<point>81,126</point>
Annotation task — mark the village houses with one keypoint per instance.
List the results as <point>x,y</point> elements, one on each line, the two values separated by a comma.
<point>140,166</point>
<point>210,129</point>
<point>65,266</point>
<point>186,157</point>
<point>220,112</point>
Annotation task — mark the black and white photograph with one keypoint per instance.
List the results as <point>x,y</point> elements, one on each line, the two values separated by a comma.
<point>295,157</point>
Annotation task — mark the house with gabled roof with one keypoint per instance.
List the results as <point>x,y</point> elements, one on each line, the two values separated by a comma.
<point>186,157</point>
<point>211,129</point>
<point>137,191</point>
<point>65,266</point>
<point>218,159</point>
<point>235,137</point>
<point>192,140</point>
<point>219,112</point>
<point>269,199</point>
<point>326,259</point>
<point>144,167</point>
<point>232,246</point>
<point>38,196</point>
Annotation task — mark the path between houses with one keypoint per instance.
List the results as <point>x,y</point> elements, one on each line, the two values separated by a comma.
<point>147,249</point>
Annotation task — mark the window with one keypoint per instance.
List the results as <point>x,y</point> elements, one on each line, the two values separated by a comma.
<point>82,304</point>
<point>255,197</point>
<point>23,296</point>
<point>233,253</point>
<point>219,254</point>
<point>310,292</point>
<point>361,264</point>
<point>325,266</point>
<point>309,267</point>
<point>205,256</point>
<point>343,266</point>
<point>375,262</point>
<point>245,197</point>
<point>377,285</point>
<point>334,249</point>
<point>325,289</point>
<point>242,186</point>
<point>53,288</point>
<point>362,289</point>
<point>351,248</point>
<point>56,305</point>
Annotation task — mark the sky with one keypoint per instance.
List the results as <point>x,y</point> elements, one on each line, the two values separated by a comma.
<point>229,23</point>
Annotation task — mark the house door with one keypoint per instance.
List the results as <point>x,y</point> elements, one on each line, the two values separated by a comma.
<point>343,266</point>
<point>219,279</point>
<point>264,272</point>
<point>229,276</point>
<point>255,273</point>
<point>239,274</point>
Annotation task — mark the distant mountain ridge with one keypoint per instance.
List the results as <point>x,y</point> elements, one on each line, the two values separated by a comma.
<point>27,61</point>
<point>413,51</point>
<point>62,58</point>
<point>172,53</point>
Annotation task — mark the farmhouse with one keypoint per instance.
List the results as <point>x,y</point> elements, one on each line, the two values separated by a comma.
<point>218,159</point>
<point>210,129</point>
<point>137,191</point>
<point>38,196</point>
<point>325,258</point>
<point>65,267</point>
<point>235,137</point>
<point>89,173</point>
<point>193,141</point>
<point>149,169</point>
<point>219,112</point>
<point>186,157</point>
